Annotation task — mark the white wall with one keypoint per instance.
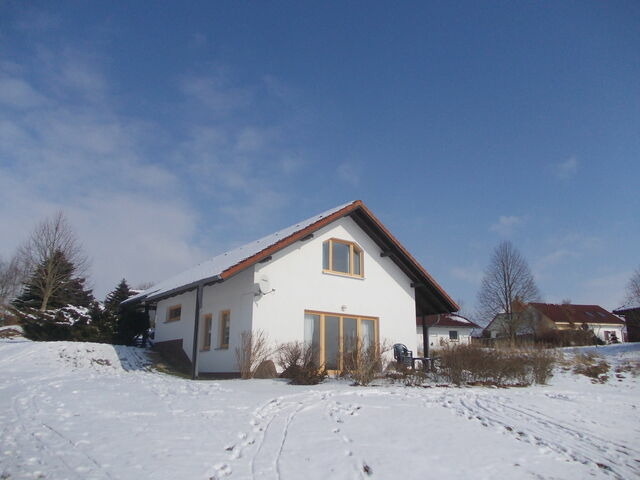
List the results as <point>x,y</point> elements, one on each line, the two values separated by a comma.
<point>236,295</point>
<point>600,329</point>
<point>181,329</point>
<point>295,274</point>
<point>439,336</point>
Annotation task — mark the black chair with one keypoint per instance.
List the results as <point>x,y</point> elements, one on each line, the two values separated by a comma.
<point>405,357</point>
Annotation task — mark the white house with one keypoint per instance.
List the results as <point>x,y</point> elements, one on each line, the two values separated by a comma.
<point>537,318</point>
<point>443,330</point>
<point>334,276</point>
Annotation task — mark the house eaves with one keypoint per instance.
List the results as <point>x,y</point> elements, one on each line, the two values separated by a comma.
<point>430,297</point>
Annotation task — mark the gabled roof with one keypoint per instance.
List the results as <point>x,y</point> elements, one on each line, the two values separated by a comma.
<point>628,308</point>
<point>446,320</point>
<point>430,297</point>
<point>577,314</point>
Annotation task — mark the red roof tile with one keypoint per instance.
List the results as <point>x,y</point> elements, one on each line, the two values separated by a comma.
<point>577,314</point>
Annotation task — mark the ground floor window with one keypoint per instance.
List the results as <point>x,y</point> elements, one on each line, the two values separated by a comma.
<point>206,327</point>
<point>333,336</point>
<point>453,335</point>
<point>224,329</point>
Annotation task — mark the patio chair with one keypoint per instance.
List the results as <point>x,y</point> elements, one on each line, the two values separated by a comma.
<point>404,356</point>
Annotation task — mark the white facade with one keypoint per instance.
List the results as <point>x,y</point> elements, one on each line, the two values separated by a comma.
<point>298,284</point>
<point>440,337</point>
<point>605,331</point>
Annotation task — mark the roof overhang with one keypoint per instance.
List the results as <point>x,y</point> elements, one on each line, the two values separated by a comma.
<point>429,296</point>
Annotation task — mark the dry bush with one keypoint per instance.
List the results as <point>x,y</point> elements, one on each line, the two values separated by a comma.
<point>364,364</point>
<point>253,350</point>
<point>568,338</point>
<point>542,363</point>
<point>470,364</point>
<point>592,366</point>
<point>298,363</point>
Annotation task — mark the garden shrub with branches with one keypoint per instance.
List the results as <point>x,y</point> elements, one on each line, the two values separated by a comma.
<point>470,364</point>
<point>254,349</point>
<point>299,364</point>
<point>364,363</point>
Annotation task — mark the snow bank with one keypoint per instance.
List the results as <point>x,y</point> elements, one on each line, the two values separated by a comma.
<point>77,410</point>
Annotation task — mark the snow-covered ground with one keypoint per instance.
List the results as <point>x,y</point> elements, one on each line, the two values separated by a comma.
<point>92,411</point>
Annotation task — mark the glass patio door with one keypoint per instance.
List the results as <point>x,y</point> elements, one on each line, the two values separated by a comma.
<point>334,338</point>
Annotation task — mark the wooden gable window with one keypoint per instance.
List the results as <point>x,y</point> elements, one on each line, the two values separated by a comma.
<point>224,329</point>
<point>342,257</point>
<point>173,313</point>
<point>206,327</point>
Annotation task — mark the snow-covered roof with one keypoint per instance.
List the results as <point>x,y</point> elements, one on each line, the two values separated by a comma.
<point>214,267</point>
<point>627,307</point>
<point>446,320</point>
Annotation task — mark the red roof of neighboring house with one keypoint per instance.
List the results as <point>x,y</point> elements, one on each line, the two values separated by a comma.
<point>577,314</point>
<point>446,320</point>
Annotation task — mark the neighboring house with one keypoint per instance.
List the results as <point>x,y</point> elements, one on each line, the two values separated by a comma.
<point>535,318</point>
<point>631,314</point>
<point>444,329</point>
<point>329,280</point>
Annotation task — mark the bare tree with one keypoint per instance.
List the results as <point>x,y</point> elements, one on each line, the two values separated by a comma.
<point>47,254</point>
<point>633,289</point>
<point>11,277</point>
<point>506,279</point>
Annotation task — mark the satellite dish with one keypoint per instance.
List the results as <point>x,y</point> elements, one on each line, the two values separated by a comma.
<point>263,286</point>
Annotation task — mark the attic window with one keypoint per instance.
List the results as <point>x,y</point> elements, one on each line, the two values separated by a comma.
<point>342,257</point>
<point>589,313</point>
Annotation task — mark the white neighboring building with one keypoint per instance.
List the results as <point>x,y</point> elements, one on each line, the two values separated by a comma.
<point>328,280</point>
<point>537,318</point>
<point>444,330</point>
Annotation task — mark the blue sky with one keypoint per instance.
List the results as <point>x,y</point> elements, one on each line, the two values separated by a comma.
<point>171,132</point>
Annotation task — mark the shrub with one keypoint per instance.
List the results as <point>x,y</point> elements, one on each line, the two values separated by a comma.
<point>299,364</point>
<point>363,364</point>
<point>568,338</point>
<point>542,362</point>
<point>253,350</point>
<point>464,364</point>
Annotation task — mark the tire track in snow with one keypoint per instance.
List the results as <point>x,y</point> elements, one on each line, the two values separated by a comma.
<point>265,444</point>
<point>535,427</point>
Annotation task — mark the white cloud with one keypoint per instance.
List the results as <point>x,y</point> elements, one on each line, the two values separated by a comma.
<point>566,169</point>
<point>506,224</point>
<point>349,173</point>
<point>65,145</point>
<point>17,93</point>
<point>216,92</point>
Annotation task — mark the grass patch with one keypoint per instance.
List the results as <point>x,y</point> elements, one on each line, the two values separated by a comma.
<point>592,366</point>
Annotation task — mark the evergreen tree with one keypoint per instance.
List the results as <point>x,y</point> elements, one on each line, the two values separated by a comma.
<point>130,322</point>
<point>68,288</point>
<point>117,296</point>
